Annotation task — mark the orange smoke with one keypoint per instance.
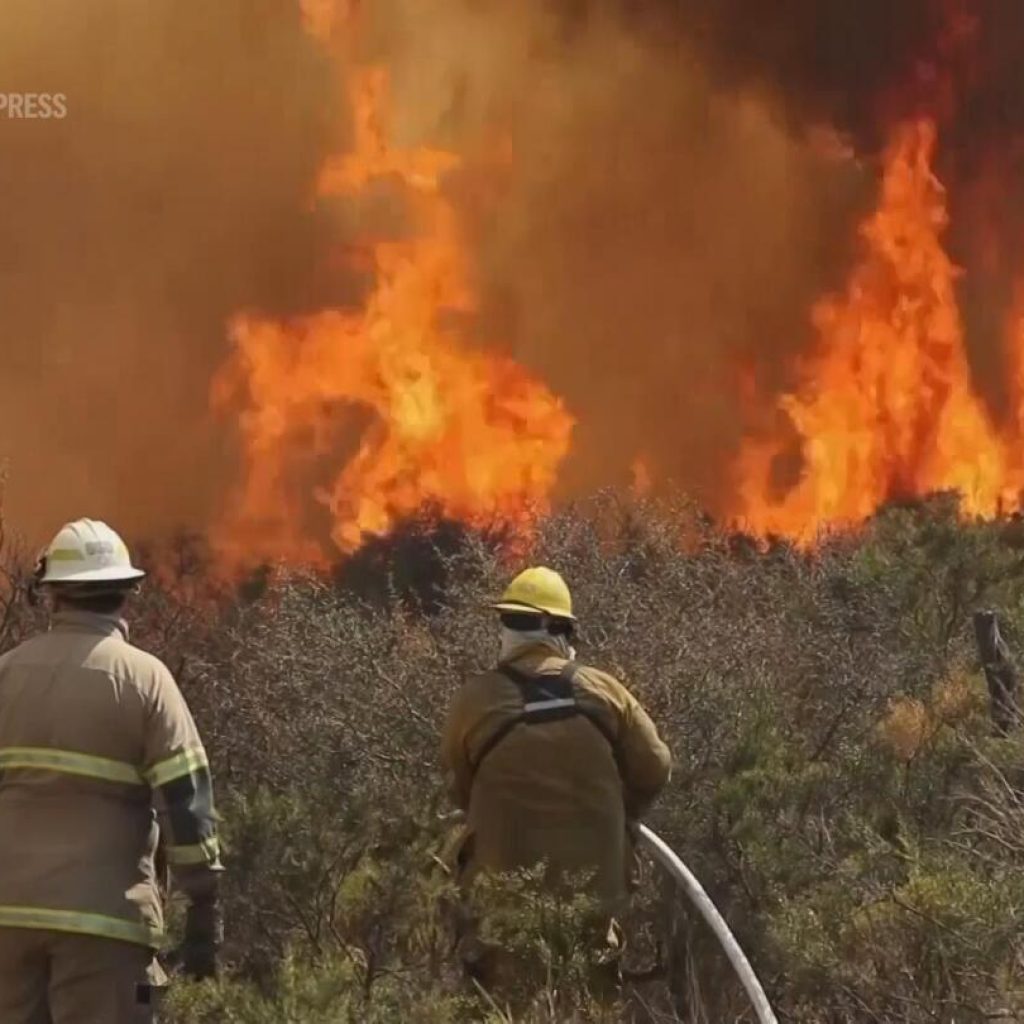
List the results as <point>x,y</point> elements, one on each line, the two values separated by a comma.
<point>426,420</point>
<point>353,419</point>
<point>885,406</point>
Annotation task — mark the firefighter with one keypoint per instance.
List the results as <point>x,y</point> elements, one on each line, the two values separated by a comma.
<point>98,755</point>
<point>550,760</point>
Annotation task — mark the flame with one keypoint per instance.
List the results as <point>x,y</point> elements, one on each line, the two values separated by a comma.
<point>641,478</point>
<point>885,406</point>
<point>321,18</point>
<point>465,431</point>
<point>1014,352</point>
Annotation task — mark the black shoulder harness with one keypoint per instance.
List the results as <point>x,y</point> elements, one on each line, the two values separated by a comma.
<point>546,698</point>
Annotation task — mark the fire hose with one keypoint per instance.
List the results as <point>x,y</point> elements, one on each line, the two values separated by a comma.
<point>687,881</point>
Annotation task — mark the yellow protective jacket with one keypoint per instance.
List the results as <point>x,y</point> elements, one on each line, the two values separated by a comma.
<point>95,740</point>
<point>561,789</point>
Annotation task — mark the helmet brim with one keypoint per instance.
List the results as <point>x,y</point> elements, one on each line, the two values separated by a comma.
<point>517,607</point>
<point>113,574</point>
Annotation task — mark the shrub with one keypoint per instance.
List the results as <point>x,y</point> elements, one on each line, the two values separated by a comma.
<point>837,785</point>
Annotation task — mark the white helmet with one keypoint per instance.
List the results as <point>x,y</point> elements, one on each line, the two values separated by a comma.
<point>87,551</point>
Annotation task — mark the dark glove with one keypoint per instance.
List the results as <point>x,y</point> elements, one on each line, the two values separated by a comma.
<point>204,935</point>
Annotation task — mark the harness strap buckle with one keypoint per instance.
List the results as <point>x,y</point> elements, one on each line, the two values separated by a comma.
<point>546,698</point>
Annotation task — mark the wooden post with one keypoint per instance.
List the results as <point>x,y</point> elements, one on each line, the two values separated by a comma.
<point>1000,672</point>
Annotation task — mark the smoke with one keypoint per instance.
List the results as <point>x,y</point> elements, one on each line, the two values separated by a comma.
<point>648,240</point>
<point>850,65</point>
<point>172,194</point>
<point>860,67</point>
<point>647,195</point>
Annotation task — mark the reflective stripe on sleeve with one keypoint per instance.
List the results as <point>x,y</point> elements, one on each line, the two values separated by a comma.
<point>206,852</point>
<point>70,763</point>
<point>176,767</point>
<point>79,923</point>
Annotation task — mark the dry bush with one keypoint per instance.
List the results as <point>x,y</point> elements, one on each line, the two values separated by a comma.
<point>837,785</point>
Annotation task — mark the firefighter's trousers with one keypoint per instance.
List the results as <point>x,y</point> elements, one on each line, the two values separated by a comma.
<point>54,978</point>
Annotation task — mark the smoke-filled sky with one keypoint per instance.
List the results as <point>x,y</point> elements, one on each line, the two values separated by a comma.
<point>655,236</point>
<point>669,213</point>
<point>171,194</point>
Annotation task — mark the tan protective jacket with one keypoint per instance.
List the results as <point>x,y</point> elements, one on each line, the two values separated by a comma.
<point>93,734</point>
<point>560,791</point>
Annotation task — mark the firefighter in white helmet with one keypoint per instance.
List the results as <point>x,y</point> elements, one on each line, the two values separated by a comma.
<point>94,738</point>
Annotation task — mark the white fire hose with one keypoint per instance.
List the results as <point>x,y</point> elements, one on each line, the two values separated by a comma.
<point>681,874</point>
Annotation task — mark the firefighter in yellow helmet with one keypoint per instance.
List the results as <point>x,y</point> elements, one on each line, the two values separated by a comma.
<point>96,747</point>
<point>550,759</point>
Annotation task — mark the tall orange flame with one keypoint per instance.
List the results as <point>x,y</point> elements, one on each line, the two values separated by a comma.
<point>466,431</point>
<point>885,407</point>
<point>1014,353</point>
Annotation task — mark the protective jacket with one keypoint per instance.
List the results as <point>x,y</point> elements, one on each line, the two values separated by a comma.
<point>550,762</point>
<point>96,741</point>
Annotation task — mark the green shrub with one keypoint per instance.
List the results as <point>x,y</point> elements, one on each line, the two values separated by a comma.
<point>837,786</point>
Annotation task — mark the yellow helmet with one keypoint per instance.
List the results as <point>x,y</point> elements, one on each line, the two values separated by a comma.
<point>537,590</point>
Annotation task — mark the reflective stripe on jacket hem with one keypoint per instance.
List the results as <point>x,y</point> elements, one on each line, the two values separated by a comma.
<point>79,923</point>
<point>206,852</point>
<point>176,767</point>
<point>71,763</point>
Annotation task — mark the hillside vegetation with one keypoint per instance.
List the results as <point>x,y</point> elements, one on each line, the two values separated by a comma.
<point>838,785</point>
